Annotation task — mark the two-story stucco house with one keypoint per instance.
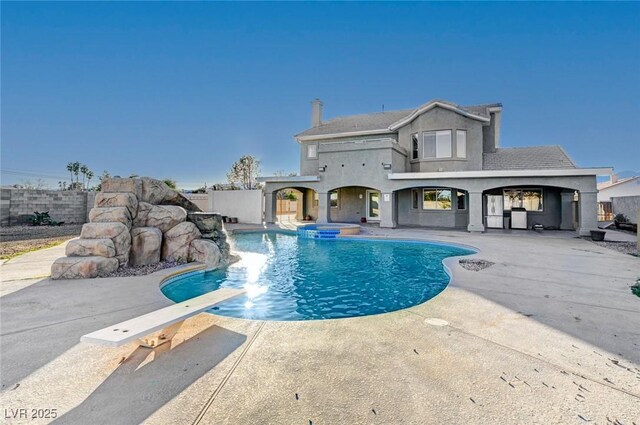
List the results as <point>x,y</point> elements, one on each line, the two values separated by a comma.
<point>438,165</point>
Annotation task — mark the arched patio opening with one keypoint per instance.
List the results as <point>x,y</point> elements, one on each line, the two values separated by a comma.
<point>354,204</point>
<point>528,205</point>
<point>294,204</point>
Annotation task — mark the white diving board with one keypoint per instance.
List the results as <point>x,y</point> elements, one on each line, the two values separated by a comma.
<point>166,320</point>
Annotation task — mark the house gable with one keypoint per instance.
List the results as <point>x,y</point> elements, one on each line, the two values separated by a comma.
<point>437,104</point>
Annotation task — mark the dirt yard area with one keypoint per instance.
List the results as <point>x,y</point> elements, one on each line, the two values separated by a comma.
<point>17,240</point>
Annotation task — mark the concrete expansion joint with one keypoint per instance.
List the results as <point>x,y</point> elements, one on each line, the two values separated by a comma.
<point>61,322</point>
<point>555,366</point>
<point>226,378</point>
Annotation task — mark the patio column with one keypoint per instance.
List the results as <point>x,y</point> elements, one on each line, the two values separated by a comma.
<point>475,212</point>
<point>323,208</point>
<point>587,213</point>
<point>270,207</point>
<point>388,210</point>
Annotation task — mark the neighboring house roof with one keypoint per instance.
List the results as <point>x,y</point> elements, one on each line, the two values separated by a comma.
<point>390,121</point>
<point>529,158</point>
<point>608,184</point>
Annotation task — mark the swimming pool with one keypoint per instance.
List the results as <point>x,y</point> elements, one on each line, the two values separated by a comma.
<point>291,278</point>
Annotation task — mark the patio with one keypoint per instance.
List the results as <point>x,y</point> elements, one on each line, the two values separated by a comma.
<point>548,334</point>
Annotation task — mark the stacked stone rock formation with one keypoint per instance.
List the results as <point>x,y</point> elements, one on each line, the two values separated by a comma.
<point>140,221</point>
<point>211,227</point>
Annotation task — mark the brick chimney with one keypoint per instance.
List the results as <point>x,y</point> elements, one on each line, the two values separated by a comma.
<point>316,112</point>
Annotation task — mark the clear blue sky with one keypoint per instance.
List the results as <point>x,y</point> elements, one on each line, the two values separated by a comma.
<point>181,90</point>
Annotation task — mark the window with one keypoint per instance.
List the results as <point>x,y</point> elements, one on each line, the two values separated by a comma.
<point>333,199</point>
<point>312,151</point>
<point>414,146</point>
<point>436,199</point>
<point>415,199</point>
<point>429,145</point>
<point>315,199</point>
<point>436,144</point>
<point>530,199</point>
<point>461,143</point>
<point>443,144</point>
<point>462,200</point>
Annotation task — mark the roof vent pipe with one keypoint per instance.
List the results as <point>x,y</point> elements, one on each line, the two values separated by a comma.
<point>316,112</point>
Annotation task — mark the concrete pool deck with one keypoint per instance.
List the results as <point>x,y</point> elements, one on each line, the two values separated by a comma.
<point>549,334</point>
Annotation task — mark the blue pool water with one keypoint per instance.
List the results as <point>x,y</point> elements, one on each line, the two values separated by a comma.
<point>291,278</point>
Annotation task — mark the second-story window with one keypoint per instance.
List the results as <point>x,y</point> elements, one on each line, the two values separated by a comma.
<point>312,151</point>
<point>461,143</point>
<point>436,144</point>
<point>414,146</point>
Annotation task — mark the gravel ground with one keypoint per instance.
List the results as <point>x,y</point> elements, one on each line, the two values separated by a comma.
<point>144,270</point>
<point>630,248</point>
<point>25,233</point>
<point>475,264</point>
<point>16,240</point>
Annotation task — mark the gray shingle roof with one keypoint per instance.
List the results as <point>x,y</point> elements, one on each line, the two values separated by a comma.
<point>379,121</point>
<point>351,123</point>
<point>530,158</point>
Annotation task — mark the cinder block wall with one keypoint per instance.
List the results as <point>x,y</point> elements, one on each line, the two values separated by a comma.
<point>19,204</point>
<point>200,199</point>
<point>627,205</point>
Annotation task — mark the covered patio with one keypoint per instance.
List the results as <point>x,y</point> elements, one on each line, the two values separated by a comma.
<point>555,199</point>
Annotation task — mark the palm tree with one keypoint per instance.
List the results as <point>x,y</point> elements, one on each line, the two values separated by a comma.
<point>70,170</point>
<point>76,170</point>
<point>83,170</point>
<point>89,177</point>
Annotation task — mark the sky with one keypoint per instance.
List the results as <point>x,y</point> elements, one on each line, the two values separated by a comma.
<point>182,90</point>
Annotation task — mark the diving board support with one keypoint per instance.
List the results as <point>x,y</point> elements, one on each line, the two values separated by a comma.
<point>158,338</point>
<point>160,326</point>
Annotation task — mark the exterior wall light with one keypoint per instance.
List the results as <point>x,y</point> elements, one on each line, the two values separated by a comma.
<point>322,169</point>
<point>386,166</point>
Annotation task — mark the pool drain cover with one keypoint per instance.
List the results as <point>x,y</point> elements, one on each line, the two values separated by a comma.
<point>435,322</point>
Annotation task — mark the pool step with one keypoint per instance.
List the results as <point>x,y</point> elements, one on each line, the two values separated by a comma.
<point>318,233</point>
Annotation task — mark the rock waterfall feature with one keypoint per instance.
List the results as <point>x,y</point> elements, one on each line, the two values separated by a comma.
<point>141,221</point>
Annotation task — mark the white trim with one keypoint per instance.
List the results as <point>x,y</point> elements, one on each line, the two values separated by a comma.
<point>431,105</point>
<point>502,173</point>
<point>287,179</point>
<point>360,141</point>
<point>339,135</point>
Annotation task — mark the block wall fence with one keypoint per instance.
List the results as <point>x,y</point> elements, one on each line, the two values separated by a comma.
<point>627,205</point>
<point>72,207</point>
<point>17,205</point>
